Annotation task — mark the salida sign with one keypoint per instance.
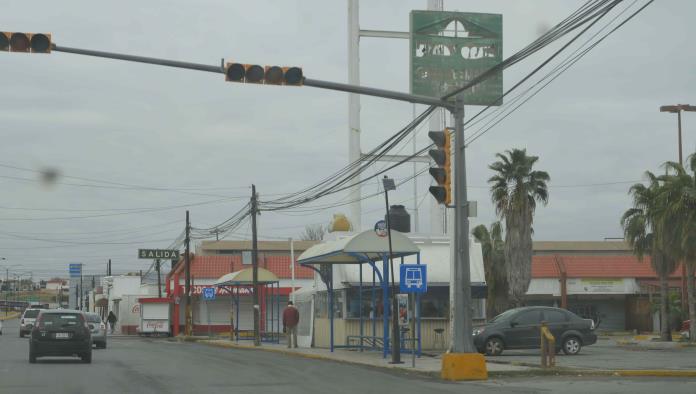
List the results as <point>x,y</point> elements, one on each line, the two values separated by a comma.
<point>165,254</point>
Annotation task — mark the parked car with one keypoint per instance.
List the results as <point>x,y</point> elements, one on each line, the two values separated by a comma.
<point>59,332</point>
<point>27,321</point>
<point>98,330</point>
<point>519,328</point>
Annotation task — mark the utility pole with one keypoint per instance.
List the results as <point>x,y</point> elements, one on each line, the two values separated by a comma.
<point>82,290</point>
<point>187,286</point>
<point>460,281</point>
<point>108,268</point>
<point>159,279</point>
<point>255,267</point>
<point>396,340</point>
<point>678,110</point>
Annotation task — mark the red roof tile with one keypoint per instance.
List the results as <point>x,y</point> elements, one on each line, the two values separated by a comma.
<point>608,266</point>
<point>213,267</point>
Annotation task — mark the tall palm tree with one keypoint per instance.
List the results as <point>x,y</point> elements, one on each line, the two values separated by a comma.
<point>493,249</point>
<point>515,190</point>
<point>642,227</point>
<point>679,223</point>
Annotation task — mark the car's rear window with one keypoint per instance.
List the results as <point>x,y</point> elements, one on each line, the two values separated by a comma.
<point>93,318</point>
<point>60,320</point>
<point>31,313</point>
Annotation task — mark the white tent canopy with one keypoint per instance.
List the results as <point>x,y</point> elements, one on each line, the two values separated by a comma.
<point>358,248</point>
<point>245,277</point>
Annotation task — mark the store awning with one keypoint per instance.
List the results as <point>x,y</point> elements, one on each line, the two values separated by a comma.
<point>358,248</point>
<point>246,277</point>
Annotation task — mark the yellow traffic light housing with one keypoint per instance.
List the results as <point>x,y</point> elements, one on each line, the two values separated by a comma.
<point>443,172</point>
<point>25,42</point>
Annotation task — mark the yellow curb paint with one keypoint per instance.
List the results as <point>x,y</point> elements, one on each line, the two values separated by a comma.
<point>463,366</point>
<point>656,373</point>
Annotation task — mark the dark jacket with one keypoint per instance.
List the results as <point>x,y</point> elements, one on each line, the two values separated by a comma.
<point>291,316</point>
<point>111,318</point>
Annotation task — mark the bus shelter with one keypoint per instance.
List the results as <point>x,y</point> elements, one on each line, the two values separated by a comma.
<point>241,283</point>
<point>366,248</point>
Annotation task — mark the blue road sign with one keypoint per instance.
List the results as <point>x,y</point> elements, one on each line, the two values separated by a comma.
<point>209,293</point>
<point>413,278</point>
<point>75,270</point>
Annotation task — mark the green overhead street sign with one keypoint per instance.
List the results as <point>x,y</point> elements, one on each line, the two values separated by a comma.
<point>449,49</point>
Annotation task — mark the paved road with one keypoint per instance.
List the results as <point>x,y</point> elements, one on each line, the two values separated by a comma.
<point>157,366</point>
<point>606,355</point>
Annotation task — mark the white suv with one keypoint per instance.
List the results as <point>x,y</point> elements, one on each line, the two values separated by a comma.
<point>27,321</point>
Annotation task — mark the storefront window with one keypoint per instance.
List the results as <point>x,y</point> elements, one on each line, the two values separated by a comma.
<point>367,309</point>
<point>321,304</point>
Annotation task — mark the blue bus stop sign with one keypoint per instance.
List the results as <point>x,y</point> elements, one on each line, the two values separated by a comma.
<point>209,293</point>
<point>413,278</point>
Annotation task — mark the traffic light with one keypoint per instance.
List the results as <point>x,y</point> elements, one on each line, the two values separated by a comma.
<point>268,75</point>
<point>443,172</point>
<point>25,42</point>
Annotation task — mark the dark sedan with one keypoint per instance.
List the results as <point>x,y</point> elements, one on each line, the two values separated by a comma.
<point>60,332</point>
<point>519,328</point>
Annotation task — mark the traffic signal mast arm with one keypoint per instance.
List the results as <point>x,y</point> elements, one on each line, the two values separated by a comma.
<point>221,69</point>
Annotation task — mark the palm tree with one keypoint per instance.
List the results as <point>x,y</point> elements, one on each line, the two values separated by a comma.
<point>515,190</point>
<point>493,249</point>
<point>679,223</point>
<point>642,226</point>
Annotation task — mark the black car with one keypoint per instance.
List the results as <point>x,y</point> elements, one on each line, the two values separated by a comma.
<point>60,332</point>
<point>519,328</point>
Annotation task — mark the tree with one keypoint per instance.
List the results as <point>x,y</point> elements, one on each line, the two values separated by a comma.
<point>679,224</point>
<point>313,232</point>
<point>493,249</point>
<point>642,227</point>
<point>515,190</point>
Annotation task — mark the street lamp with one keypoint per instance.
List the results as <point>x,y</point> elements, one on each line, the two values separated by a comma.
<point>388,184</point>
<point>677,109</point>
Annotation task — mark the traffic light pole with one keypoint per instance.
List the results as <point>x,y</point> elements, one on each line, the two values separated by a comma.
<point>187,284</point>
<point>460,280</point>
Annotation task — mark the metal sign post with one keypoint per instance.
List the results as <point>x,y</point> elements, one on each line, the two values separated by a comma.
<point>413,279</point>
<point>208,295</point>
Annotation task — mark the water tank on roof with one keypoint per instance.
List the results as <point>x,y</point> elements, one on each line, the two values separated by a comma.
<point>399,219</point>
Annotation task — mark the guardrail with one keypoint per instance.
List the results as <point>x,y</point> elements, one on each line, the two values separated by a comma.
<point>548,347</point>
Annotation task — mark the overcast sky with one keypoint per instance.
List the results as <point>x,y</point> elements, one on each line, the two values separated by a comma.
<point>204,141</point>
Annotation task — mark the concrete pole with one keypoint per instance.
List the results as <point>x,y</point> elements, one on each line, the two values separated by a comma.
<point>354,108</point>
<point>460,282</point>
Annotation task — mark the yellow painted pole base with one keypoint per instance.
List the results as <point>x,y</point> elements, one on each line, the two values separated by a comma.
<point>464,366</point>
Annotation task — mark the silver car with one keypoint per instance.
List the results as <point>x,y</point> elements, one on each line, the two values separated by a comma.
<point>98,329</point>
<point>27,321</point>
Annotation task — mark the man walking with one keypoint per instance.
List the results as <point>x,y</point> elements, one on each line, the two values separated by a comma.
<point>112,321</point>
<point>291,316</point>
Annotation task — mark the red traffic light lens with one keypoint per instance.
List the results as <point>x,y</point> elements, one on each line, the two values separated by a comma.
<point>274,75</point>
<point>40,43</point>
<point>235,72</point>
<point>293,76</point>
<point>254,74</point>
<point>19,42</point>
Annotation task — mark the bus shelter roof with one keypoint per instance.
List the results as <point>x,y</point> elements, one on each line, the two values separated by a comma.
<point>359,248</point>
<point>246,277</point>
